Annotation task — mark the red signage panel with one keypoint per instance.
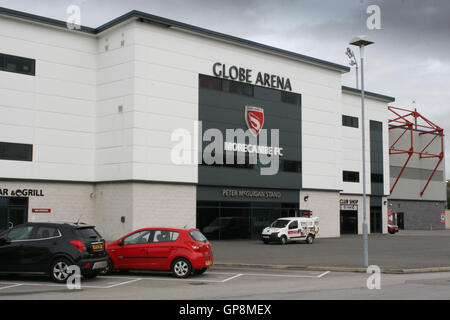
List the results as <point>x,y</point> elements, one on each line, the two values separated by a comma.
<point>41,210</point>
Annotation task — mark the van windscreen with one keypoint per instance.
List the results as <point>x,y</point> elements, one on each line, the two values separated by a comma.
<point>280,224</point>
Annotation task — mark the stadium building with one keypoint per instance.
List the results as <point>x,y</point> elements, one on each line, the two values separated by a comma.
<point>90,120</point>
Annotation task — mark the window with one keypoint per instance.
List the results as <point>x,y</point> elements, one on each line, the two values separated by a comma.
<point>291,166</point>
<point>88,233</point>
<point>377,178</point>
<point>165,236</point>
<point>351,176</point>
<point>20,233</point>
<point>141,237</point>
<point>17,64</point>
<point>210,83</point>
<point>349,121</point>
<point>289,97</point>
<point>47,232</point>
<point>16,151</point>
<point>198,236</point>
<point>239,88</point>
<point>293,225</point>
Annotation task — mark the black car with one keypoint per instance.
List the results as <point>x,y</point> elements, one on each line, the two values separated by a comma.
<point>52,247</point>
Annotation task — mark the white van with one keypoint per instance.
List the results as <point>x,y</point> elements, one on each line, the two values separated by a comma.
<point>286,230</point>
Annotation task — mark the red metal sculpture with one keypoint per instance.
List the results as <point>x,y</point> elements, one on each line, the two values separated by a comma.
<point>410,121</point>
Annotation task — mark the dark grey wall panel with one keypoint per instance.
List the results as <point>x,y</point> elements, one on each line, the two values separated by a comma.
<point>221,109</point>
<point>416,174</point>
<point>205,193</point>
<point>376,157</point>
<point>420,215</point>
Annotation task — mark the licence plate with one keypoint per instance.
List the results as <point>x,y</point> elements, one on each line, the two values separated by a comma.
<point>208,263</point>
<point>97,247</point>
<point>99,265</point>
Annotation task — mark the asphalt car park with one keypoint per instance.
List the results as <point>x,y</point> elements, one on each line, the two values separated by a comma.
<point>231,284</point>
<point>147,285</point>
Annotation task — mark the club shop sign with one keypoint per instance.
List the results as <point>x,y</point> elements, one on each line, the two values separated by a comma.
<point>246,75</point>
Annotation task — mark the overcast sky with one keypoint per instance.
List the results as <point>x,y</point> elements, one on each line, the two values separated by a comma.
<point>410,59</point>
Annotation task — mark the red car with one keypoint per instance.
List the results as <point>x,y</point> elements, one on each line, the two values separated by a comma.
<point>184,252</point>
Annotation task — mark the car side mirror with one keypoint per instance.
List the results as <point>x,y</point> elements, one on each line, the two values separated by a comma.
<point>120,243</point>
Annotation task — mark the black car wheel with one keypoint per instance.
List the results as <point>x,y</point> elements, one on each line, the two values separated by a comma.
<point>59,270</point>
<point>181,268</point>
<point>309,239</point>
<point>283,240</point>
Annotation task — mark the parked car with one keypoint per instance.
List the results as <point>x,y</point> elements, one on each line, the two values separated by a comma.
<point>184,252</point>
<point>51,248</point>
<point>392,229</point>
<point>392,222</point>
<point>286,230</point>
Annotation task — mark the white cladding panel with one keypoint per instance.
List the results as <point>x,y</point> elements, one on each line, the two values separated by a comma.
<point>53,110</point>
<point>104,108</point>
<point>352,140</point>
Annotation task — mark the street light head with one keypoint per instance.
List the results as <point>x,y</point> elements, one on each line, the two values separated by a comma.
<point>349,53</point>
<point>361,41</point>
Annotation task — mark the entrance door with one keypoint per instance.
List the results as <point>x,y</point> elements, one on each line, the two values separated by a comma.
<point>16,216</point>
<point>375,220</point>
<point>401,220</point>
<point>13,211</point>
<point>349,222</point>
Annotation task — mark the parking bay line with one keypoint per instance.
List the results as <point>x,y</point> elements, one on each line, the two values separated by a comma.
<point>132,280</point>
<point>280,275</point>
<point>11,286</point>
<point>64,285</point>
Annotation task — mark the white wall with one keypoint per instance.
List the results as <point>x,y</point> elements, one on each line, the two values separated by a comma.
<point>352,140</point>
<point>325,206</point>
<point>67,201</point>
<point>115,89</point>
<point>69,110</point>
<point>54,110</point>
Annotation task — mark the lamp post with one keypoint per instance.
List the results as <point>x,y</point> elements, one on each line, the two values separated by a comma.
<point>351,55</point>
<point>362,42</point>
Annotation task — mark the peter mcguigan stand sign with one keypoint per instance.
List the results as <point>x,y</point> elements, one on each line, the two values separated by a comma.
<point>245,75</point>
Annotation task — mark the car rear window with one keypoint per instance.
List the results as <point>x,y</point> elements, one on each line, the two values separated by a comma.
<point>89,233</point>
<point>197,236</point>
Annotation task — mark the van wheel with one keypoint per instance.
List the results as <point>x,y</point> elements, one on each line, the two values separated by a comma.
<point>59,270</point>
<point>309,239</point>
<point>181,268</point>
<point>283,240</point>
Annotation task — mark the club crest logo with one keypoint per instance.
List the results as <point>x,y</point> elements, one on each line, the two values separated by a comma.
<point>254,117</point>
